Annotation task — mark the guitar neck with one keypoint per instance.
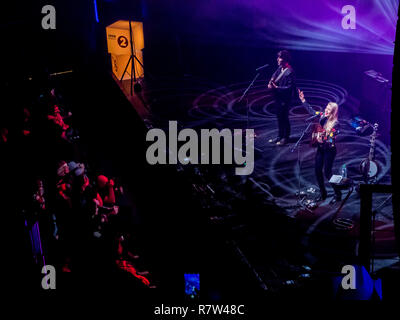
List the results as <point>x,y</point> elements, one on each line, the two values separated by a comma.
<point>371,154</point>
<point>372,147</point>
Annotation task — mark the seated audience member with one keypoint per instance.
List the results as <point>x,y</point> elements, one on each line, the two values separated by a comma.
<point>60,126</point>
<point>84,198</point>
<point>83,208</point>
<point>38,196</point>
<point>64,213</point>
<point>77,170</point>
<point>63,180</point>
<point>106,210</point>
<point>105,190</point>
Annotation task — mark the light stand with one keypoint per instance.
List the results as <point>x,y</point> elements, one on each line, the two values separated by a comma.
<point>132,59</point>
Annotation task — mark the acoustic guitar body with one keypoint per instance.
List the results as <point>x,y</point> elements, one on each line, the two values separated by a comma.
<point>317,131</point>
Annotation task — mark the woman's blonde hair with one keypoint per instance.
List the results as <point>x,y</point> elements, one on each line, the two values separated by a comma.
<point>333,118</point>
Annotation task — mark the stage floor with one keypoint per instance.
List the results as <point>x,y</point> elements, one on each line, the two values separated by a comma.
<point>277,178</point>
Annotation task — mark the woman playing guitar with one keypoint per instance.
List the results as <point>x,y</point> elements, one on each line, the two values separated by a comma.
<point>324,138</point>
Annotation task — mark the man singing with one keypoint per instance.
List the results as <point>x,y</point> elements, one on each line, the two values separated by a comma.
<point>283,84</point>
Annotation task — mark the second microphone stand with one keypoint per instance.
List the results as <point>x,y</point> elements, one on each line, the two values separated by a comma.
<point>247,100</point>
<point>298,146</point>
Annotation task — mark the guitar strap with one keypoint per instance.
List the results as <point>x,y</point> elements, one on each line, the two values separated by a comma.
<point>281,75</point>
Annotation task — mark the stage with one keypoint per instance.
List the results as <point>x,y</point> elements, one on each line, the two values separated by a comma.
<point>275,206</point>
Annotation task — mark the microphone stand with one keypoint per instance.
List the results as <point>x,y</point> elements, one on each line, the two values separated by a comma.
<point>247,100</point>
<point>247,89</point>
<point>298,146</point>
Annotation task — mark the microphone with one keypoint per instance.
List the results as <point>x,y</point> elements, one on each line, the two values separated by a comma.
<point>262,67</point>
<point>317,113</point>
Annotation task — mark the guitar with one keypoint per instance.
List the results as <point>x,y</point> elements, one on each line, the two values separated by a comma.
<point>368,167</point>
<point>318,131</point>
<point>271,84</point>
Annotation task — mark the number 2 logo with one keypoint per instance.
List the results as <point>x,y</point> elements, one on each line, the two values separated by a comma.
<point>122,41</point>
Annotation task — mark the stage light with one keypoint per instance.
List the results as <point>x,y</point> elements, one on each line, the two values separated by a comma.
<point>317,26</point>
<point>307,25</point>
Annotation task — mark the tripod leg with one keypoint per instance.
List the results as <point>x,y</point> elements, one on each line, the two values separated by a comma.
<point>132,54</point>
<point>126,67</point>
